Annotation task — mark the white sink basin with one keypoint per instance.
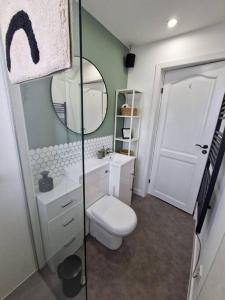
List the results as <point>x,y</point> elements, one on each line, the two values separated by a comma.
<point>74,172</point>
<point>118,159</point>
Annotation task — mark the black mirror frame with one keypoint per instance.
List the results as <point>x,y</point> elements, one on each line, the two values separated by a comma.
<point>107,108</point>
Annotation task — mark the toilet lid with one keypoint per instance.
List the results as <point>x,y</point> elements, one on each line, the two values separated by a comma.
<point>114,216</point>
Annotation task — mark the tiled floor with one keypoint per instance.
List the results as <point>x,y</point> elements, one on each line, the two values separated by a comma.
<point>35,288</point>
<point>153,262</point>
<point>45,285</point>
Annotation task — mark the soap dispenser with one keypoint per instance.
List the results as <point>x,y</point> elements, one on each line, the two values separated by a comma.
<point>46,182</point>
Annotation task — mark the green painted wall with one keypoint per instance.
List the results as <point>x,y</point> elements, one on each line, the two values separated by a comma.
<point>107,53</point>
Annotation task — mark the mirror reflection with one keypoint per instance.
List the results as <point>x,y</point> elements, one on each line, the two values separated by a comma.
<point>66,94</point>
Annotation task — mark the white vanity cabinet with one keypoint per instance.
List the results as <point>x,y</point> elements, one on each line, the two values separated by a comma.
<point>121,180</point>
<point>61,217</point>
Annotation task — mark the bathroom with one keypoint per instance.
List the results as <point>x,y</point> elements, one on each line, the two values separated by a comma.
<point>100,165</point>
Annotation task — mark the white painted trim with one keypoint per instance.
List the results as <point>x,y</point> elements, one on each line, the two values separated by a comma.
<point>156,98</point>
<point>156,106</point>
<point>193,61</point>
<point>193,262</point>
<point>138,192</point>
<point>191,279</point>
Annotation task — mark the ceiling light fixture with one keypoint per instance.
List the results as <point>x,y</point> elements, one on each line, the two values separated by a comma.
<point>172,23</point>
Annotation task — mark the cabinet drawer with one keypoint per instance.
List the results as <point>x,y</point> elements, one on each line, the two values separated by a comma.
<point>57,258</point>
<point>64,229</point>
<point>63,203</point>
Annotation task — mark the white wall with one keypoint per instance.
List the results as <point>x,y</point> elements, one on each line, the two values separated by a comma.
<point>16,252</point>
<point>214,287</point>
<point>202,42</point>
<point>212,235</point>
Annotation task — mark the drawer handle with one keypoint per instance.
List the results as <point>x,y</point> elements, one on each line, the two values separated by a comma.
<point>65,205</point>
<point>70,242</point>
<point>67,223</point>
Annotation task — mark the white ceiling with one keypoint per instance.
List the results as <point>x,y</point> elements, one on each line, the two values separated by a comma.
<point>136,22</point>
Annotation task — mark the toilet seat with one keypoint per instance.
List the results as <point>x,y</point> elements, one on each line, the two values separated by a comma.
<point>113,215</point>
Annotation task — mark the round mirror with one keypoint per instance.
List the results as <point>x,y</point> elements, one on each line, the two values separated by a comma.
<point>67,100</point>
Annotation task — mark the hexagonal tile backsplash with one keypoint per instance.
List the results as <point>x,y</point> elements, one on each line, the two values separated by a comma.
<point>56,158</point>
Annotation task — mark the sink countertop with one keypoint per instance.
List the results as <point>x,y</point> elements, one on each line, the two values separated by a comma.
<point>71,180</point>
<point>62,187</point>
<point>118,159</point>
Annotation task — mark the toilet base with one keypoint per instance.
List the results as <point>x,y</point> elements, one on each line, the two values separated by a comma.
<point>109,240</point>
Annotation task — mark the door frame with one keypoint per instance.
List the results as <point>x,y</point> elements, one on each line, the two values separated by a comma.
<point>156,98</point>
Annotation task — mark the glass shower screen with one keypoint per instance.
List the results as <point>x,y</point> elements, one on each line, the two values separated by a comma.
<point>53,175</point>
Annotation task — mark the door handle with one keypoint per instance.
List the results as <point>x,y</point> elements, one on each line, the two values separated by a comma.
<point>202,147</point>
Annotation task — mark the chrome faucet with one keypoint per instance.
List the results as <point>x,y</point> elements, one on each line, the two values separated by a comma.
<point>108,151</point>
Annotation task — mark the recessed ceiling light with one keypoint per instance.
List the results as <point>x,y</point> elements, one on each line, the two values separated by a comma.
<point>172,23</point>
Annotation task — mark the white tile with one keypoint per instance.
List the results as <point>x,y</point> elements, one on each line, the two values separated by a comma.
<point>55,158</point>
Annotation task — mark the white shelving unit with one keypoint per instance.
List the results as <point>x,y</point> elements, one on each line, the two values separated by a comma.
<point>134,99</point>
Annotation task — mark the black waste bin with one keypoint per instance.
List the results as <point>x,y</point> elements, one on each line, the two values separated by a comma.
<point>70,272</point>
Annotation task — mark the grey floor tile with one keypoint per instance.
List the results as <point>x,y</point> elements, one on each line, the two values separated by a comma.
<point>152,264</point>
<point>34,288</point>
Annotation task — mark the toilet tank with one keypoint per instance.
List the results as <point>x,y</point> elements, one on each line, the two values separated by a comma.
<point>96,184</point>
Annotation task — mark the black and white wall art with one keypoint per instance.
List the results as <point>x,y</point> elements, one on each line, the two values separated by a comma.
<point>35,35</point>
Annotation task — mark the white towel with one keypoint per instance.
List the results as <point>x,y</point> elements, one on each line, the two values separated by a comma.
<point>35,35</point>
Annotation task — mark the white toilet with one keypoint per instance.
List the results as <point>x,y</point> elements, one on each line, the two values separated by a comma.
<point>110,221</point>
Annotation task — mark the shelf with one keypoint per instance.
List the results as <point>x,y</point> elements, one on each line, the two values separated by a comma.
<point>128,91</point>
<point>132,97</point>
<point>121,116</point>
<point>120,139</point>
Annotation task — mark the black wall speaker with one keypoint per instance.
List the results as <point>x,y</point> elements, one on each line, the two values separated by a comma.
<point>130,60</point>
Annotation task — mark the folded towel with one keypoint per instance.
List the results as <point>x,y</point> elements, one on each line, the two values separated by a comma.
<point>36,38</point>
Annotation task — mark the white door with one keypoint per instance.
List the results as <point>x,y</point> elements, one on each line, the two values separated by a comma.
<point>190,106</point>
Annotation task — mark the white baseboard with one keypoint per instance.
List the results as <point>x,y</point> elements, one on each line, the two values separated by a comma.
<point>139,192</point>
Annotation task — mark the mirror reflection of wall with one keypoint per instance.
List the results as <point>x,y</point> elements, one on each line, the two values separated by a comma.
<point>66,96</point>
